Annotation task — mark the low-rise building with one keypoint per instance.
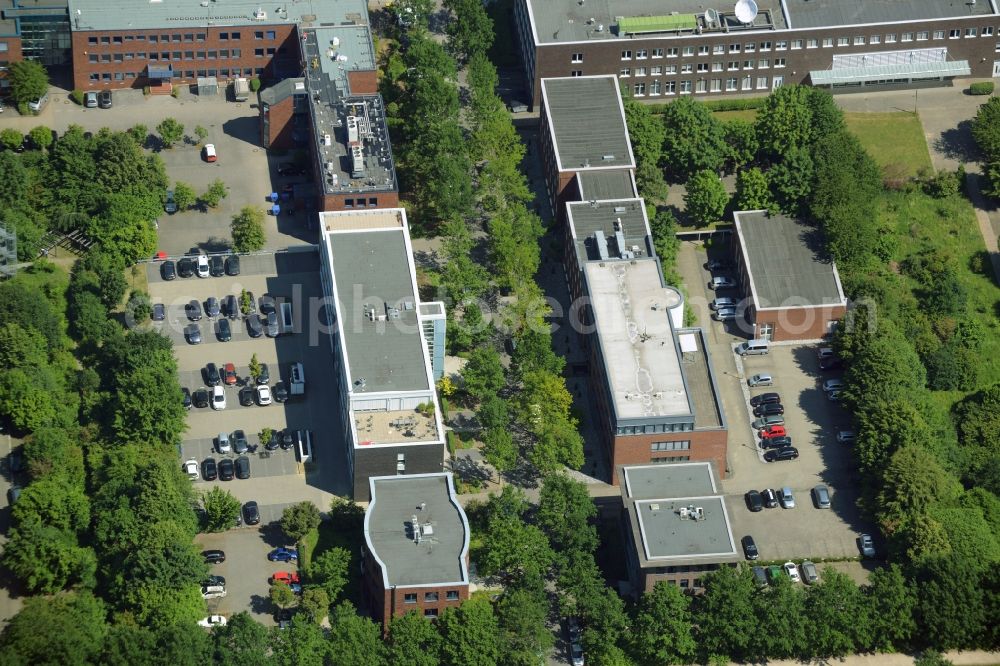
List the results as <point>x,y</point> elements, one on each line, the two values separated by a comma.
<point>385,383</point>
<point>791,284</point>
<point>416,551</point>
<point>284,115</point>
<point>674,525</point>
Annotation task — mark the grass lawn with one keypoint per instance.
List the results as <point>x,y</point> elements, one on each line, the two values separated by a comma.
<point>950,225</point>
<point>748,115</point>
<point>892,139</point>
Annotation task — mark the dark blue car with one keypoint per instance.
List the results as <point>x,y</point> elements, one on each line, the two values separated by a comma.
<point>283,555</point>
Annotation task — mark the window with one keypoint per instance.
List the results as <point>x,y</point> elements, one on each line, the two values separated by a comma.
<point>842,41</point>
<point>154,56</point>
<point>716,66</point>
<point>258,34</point>
<point>702,50</point>
<point>640,71</point>
<point>92,41</point>
<point>657,53</point>
<point>430,612</point>
<point>730,85</point>
<point>223,36</point>
<point>200,36</point>
<point>129,56</point>
<point>684,582</point>
<point>105,57</point>
<point>777,82</point>
<point>91,57</point>
<point>176,37</point>
<point>409,597</point>
<point>907,37</point>
<point>779,62</point>
<point>890,39</point>
<point>687,68</point>
<point>859,40</point>
<point>430,596</point>
<point>372,202</point>
<point>765,46</point>
<point>153,39</point>
<point>733,64</point>
<point>812,43</point>
<point>748,64</point>
<point>176,55</point>
<point>95,77</point>
<point>141,55</point>
<point>747,83</point>
<point>258,53</point>
<point>639,90</point>
<point>451,595</point>
<point>626,72</point>
<point>780,45</point>
<point>734,48</point>
<point>119,57</point>
<point>718,49</point>
<point>988,31</point>
<point>626,55</point>
<point>763,64</point>
<point>223,53</point>
<point>827,42</point>
<point>700,86</point>
<point>576,57</point>
<point>670,69</point>
<point>200,55</point>
<point>140,38</point>
<point>236,53</point>
<point>270,51</point>
<point>688,51</point>
<point>400,457</point>
<point>224,72</point>
<point>922,36</point>
<point>189,55</point>
<point>971,32</point>
<point>749,47</point>
<point>685,87</point>
<point>670,87</point>
<point>656,71</point>
<point>954,34</point>
<point>939,34</point>
<point>349,203</point>
<point>716,85</point>
<point>106,76</point>
<point>640,54</point>
<point>234,35</point>
<point>576,72</point>
<point>761,82</point>
<point>702,66</point>
<point>212,55</point>
<point>105,40</point>
<point>672,52</point>
<point>117,39</point>
<point>875,39</point>
<point>188,36</point>
<point>654,88</point>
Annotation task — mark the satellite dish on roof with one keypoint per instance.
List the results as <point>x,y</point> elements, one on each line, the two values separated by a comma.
<point>712,17</point>
<point>746,11</point>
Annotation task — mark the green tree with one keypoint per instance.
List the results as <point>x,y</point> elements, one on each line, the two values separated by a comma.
<point>513,549</point>
<point>48,559</point>
<point>795,117</point>
<point>694,139</point>
<point>53,501</point>
<point>513,241</point>
<point>213,196</point>
<point>951,609</point>
<point>483,374</point>
<point>986,129</point>
<point>470,635</point>
<point>661,630</point>
<point>22,347</point>
<point>354,639</point>
<point>254,365</point>
<point>521,614</point>
<point>911,483</point>
<point>299,519</point>
<point>41,137</point>
<point>221,509</point>
<point>139,307</point>
<point>706,197</point>
<point>781,611</point>
<point>566,512</point>
<point>65,629</point>
<point>248,230</point>
<point>724,615</point>
<point>741,144</point>
<point>647,134</point>
<point>201,133</point>
<point>413,641</point>
<point>139,134</point>
<point>534,353</point>
<point>242,642</point>
<point>329,570</point>
<point>885,426</point>
<point>170,132</point>
<point>891,603</point>
<point>663,226</point>
<point>470,32</point>
<point>836,616</point>
<point>791,180</point>
<point>28,402</point>
<point>315,603</point>
<point>184,195</point>
<point>10,138</point>
<point>281,595</point>
<point>412,13</point>
<point>28,81</point>
<point>500,450</point>
<point>752,191</point>
<point>178,645</point>
<point>886,367</point>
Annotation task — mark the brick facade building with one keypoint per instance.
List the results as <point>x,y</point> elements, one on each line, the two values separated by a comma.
<point>416,551</point>
<point>660,50</point>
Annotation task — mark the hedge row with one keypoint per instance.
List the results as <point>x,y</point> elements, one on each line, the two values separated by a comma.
<point>741,104</point>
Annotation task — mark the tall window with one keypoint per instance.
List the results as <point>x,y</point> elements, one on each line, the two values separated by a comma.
<point>576,57</point>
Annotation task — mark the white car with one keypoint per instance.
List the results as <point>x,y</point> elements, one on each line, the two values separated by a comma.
<point>213,621</point>
<point>222,443</point>
<point>218,397</point>
<point>847,437</point>
<point>203,271</point>
<point>824,352</point>
<point>867,545</point>
<point>263,395</point>
<point>191,469</point>
<point>786,498</point>
<point>792,571</point>
<point>834,385</point>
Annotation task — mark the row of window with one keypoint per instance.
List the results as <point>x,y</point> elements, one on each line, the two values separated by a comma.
<point>222,54</point>
<point>671,446</point>
<point>176,37</point>
<point>690,68</point>
<point>783,44</point>
<point>704,85</point>
<point>372,203</point>
<point>654,428</point>
<point>411,597</point>
<point>224,73</point>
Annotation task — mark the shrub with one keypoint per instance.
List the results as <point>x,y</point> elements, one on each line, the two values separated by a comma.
<point>254,84</point>
<point>77,97</point>
<point>981,88</point>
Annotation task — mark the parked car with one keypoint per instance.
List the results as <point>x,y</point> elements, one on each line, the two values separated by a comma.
<point>722,282</point>
<point>770,498</point>
<point>283,554</point>
<point>213,592</point>
<point>242,467</point>
<point>291,169</point>
<point>90,100</point>
<point>264,376</point>
<point>764,399</point>
<point>212,621</point>
<point>168,270</point>
<point>847,437</point>
<point>280,392</point>
<point>213,556</point>
<point>203,270</point>
<point>193,310</point>
<point>834,385</point>
<point>185,397</point>
<point>576,654</point>
<point>209,470</point>
<point>231,307</point>
<point>834,396</point>
<point>271,325</point>
<point>212,375</point>
<point>170,205</point>
<point>38,103</point>
<point>209,152</point>
<point>233,264</point>
<point>240,441</point>
<point>778,455</point>
<point>191,469</point>
<point>774,572</point>
<point>200,398</point>
<point>769,409</point>
<point>247,396</point>
<point>186,267</point>
<point>754,501</point>
<point>867,545</point>
<point>286,577</point>
<point>718,264</point>
<point>254,326</point>
<point>104,99</point>
<point>251,513</point>
<point>809,572</point>
<point>832,363</point>
<point>223,331</point>
<point>212,306</point>
<point>159,312</point>
<point>781,442</point>
<point>218,397</point>
<point>792,572</point>
<point>263,395</point>
<point>216,266</point>
<point>825,352</point>
<point>786,498</point>
<point>759,576</point>
<point>821,497</point>
<point>229,376</point>
<point>724,314</point>
<point>749,547</point>
<point>722,302</point>
<point>227,470</point>
<point>222,443</point>
<point>767,421</point>
<point>275,441</point>
<point>192,334</point>
<point>773,431</point>
<point>760,379</point>
<point>267,304</point>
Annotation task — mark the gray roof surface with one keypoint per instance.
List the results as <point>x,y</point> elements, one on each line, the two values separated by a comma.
<point>569,21</point>
<point>610,184</point>
<point>588,122</point>
<point>708,412</point>
<point>372,268</point>
<point>819,13</point>
<point>669,535</point>
<point>282,90</point>
<point>166,14</point>
<point>587,218</point>
<point>656,481</point>
<point>439,557</point>
<point>785,262</point>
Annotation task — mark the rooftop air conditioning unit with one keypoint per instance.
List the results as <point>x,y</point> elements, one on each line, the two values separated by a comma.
<point>259,14</point>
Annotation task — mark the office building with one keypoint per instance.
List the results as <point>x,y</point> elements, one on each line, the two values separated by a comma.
<point>662,49</point>
<point>416,551</point>
<point>385,384</point>
<point>434,324</point>
<point>675,526</point>
<point>792,287</point>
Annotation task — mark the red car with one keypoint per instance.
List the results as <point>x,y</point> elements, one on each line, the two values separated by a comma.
<point>773,431</point>
<point>229,374</point>
<point>286,577</point>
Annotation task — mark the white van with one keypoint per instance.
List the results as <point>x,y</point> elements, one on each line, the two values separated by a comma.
<point>213,592</point>
<point>303,445</point>
<point>297,379</point>
<point>753,348</point>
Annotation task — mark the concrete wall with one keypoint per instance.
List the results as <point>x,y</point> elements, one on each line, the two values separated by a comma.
<point>381,461</point>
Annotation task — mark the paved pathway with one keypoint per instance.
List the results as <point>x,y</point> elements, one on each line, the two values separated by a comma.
<point>971,658</point>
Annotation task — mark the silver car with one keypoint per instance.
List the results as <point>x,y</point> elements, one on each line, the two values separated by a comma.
<point>724,314</point>
<point>722,282</point>
<point>821,497</point>
<point>760,379</point>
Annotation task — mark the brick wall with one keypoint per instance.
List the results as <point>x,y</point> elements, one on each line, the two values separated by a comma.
<point>284,45</point>
<point>276,130</point>
<point>333,202</point>
<point>798,323</point>
<point>706,445</point>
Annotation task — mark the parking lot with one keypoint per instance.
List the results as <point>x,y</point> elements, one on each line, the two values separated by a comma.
<point>811,421</point>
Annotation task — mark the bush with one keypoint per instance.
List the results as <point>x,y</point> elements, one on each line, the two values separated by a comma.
<point>718,105</point>
<point>981,88</point>
<point>254,84</point>
<point>453,443</point>
<point>77,97</point>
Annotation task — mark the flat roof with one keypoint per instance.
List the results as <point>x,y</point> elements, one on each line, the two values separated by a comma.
<point>598,20</point>
<point>416,529</point>
<point>352,122</point>
<point>829,77</point>
<point>587,120</point>
<point>701,386</point>
<point>821,13</point>
<point>610,184</point>
<point>676,514</point>
<point>167,14</point>
<point>642,364</point>
<point>374,278</point>
<point>587,218</point>
<point>786,261</point>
